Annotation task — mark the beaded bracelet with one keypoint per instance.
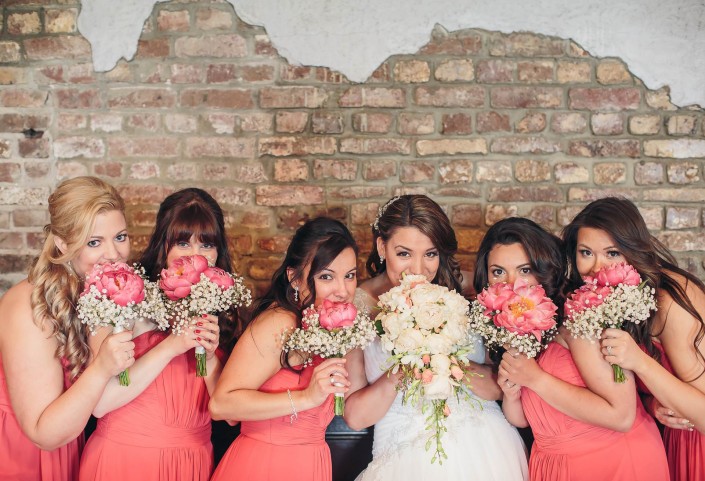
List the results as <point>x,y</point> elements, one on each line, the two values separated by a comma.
<point>294,415</point>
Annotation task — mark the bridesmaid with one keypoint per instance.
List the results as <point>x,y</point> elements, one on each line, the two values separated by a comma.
<point>585,425</point>
<point>49,381</point>
<point>158,427</point>
<point>284,409</point>
<point>612,230</point>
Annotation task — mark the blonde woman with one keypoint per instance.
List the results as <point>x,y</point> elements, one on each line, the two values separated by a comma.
<point>49,382</point>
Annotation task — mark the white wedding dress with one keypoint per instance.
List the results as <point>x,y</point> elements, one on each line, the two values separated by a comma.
<point>480,444</point>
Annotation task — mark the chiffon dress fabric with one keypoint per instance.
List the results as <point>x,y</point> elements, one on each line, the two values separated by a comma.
<point>20,459</point>
<point>685,449</point>
<point>480,443</point>
<point>282,448</point>
<point>567,449</point>
<point>163,434</point>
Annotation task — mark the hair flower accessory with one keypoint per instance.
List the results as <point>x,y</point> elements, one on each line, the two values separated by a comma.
<point>381,211</point>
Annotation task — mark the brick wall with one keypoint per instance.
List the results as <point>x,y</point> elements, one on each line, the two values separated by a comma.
<point>490,125</point>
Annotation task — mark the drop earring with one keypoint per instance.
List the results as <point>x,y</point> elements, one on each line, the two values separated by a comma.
<point>381,259</point>
<point>296,294</point>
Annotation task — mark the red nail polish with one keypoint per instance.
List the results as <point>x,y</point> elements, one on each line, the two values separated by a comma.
<point>204,316</point>
<point>199,324</point>
<point>197,331</point>
<point>198,338</point>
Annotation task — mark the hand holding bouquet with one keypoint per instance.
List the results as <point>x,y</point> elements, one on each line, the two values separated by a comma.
<point>193,288</point>
<point>518,315</point>
<point>116,295</point>
<point>331,330</point>
<point>615,295</point>
<point>425,327</point>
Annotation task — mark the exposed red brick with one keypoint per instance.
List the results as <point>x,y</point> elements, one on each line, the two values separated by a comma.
<point>285,146</point>
<point>526,97</point>
<point>604,148</point>
<point>372,122</point>
<point>373,97</point>
<point>610,99</point>
<point>363,145</point>
<point>238,148</point>
<point>217,99</point>
<point>471,97</point>
<point>279,195</point>
<point>218,46</point>
<point>153,48</point>
<point>23,98</point>
<point>492,122</point>
<point>58,47</point>
<point>457,124</point>
<point>496,71</point>
<point>141,98</point>
<point>292,97</point>
<point>145,146</point>
<point>78,99</point>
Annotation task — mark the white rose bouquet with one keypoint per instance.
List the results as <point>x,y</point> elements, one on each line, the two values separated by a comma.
<point>425,327</point>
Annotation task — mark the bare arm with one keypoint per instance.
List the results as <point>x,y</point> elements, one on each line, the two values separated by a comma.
<point>482,379</point>
<point>49,415</point>
<point>148,366</point>
<point>369,404</point>
<point>256,358</point>
<point>603,402</point>
<point>511,404</point>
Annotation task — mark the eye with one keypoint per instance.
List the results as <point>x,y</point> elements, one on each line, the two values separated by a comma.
<point>432,254</point>
<point>585,252</point>
<point>525,271</point>
<point>206,245</point>
<point>497,272</point>
<point>182,244</point>
<point>93,243</point>
<point>325,277</point>
<point>121,237</point>
<point>351,275</point>
<point>613,254</point>
<point>403,254</point>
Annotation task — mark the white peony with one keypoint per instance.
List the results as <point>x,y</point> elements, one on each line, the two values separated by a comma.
<point>426,294</point>
<point>409,340</point>
<point>438,344</point>
<point>440,364</point>
<point>439,388</point>
<point>428,316</point>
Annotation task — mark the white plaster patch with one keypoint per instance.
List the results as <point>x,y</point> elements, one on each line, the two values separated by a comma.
<point>661,42</point>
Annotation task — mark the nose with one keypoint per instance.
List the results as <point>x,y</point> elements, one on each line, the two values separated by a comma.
<point>416,266</point>
<point>111,252</point>
<point>597,264</point>
<point>511,277</point>
<point>340,291</point>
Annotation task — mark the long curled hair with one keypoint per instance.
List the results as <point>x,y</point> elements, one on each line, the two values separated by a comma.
<point>427,216</point>
<point>621,219</point>
<point>56,286</point>
<point>316,244</point>
<point>192,212</point>
<point>545,252</point>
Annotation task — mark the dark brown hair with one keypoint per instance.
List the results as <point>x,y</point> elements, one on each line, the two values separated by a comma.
<point>427,216</point>
<point>621,219</point>
<point>181,215</point>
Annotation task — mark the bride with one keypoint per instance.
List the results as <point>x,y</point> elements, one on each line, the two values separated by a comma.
<point>413,235</point>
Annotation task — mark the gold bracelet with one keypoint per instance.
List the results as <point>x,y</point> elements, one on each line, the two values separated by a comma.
<point>294,415</point>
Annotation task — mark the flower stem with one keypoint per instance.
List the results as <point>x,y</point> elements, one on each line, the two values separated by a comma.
<point>201,370</point>
<point>339,404</point>
<point>618,374</point>
<point>124,377</point>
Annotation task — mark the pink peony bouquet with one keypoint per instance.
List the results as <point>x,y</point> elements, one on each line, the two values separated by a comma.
<point>117,295</point>
<point>191,288</point>
<point>331,330</point>
<point>615,295</point>
<point>425,328</point>
<point>518,315</point>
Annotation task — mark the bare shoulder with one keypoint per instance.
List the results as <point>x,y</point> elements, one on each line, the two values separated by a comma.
<point>15,305</point>
<point>268,327</point>
<point>669,309</point>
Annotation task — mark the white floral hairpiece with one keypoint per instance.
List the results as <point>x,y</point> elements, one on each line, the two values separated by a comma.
<point>381,211</point>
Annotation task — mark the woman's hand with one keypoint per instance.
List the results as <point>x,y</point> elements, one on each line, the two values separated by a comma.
<point>116,353</point>
<point>207,333</point>
<point>618,347</point>
<point>666,416</point>
<point>511,390</point>
<point>518,369</point>
<point>328,377</point>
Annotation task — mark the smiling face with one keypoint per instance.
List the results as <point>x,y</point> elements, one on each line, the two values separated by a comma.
<point>409,251</point>
<point>193,246</point>
<point>509,262</point>
<point>595,249</point>
<point>336,282</point>
<point>108,242</point>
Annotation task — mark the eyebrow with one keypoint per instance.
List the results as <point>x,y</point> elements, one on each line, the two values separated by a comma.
<point>581,244</point>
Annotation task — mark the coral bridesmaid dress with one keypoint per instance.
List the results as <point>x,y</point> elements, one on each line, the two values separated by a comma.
<point>685,449</point>
<point>279,449</point>
<point>163,434</point>
<point>567,449</point>
<point>21,460</point>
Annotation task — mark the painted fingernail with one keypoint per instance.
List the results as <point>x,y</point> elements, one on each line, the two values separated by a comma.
<point>204,316</point>
<point>197,331</point>
<point>199,324</point>
<point>198,338</point>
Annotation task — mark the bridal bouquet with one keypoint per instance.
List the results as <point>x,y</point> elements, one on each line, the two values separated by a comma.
<point>331,330</point>
<point>193,288</point>
<point>116,294</point>
<point>518,315</point>
<point>425,327</point>
<point>615,295</point>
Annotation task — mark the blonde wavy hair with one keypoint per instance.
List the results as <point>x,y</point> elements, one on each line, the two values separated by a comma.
<point>56,286</point>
